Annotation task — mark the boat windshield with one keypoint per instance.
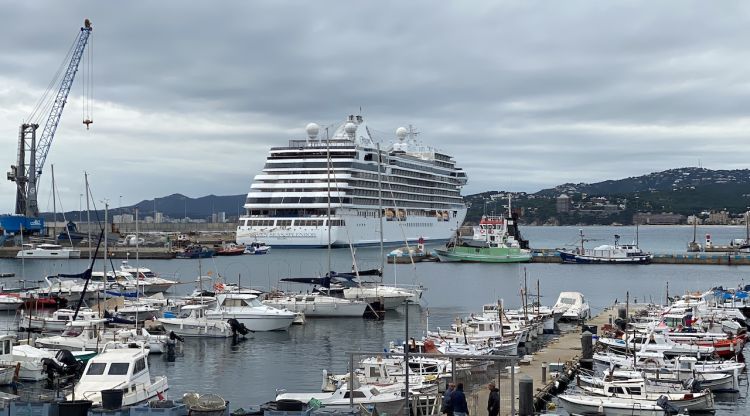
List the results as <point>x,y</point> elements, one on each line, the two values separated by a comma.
<point>118,369</point>
<point>72,331</point>
<point>568,301</point>
<point>96,369</point>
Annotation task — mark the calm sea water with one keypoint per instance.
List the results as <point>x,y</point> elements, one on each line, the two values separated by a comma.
<point>250,372</point>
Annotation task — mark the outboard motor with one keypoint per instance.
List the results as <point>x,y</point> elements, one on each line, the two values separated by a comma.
<point>238,328</point>
<point>64,365</point>
<point>172,346</point>
<point>668,407</point>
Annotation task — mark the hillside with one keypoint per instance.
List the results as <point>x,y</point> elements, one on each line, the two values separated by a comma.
<point>682,192</point>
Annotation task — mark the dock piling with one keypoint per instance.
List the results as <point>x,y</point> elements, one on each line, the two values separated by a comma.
<point>525,396</point>
<point>544,373</point>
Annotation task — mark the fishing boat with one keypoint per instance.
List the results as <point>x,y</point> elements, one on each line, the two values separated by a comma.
<point>606,254</point>
<point>571,306</point>
<point>386,398</point>
<point>120,368</point>
<point>155,282</point>
<point>409,254</point>
<point>257,247</point>
<point>248,309</point>
<point>231,250</point>
<point>195,252</point>
<point>48,251</point>
<point>30,360</point>
<point>317,305</point>
<point>627,406</point>
<point>192,322</point>
<point>57,321</point>
<point>90,336</point>
<point>495,240</point>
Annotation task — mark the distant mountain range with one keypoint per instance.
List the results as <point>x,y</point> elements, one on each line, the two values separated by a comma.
<point>684,191</point>
<point>179,206</point>
<point>668,180</point>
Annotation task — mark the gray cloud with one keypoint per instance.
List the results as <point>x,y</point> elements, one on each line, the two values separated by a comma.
<point>526,95</point>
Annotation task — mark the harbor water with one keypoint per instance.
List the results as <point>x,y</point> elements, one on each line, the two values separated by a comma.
<point>251,372</point>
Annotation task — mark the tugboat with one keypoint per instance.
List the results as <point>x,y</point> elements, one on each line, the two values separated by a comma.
<point>607,254</point>
<point>496,240</point>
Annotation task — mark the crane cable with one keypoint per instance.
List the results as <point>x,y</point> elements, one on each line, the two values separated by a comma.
<point>42,106</point>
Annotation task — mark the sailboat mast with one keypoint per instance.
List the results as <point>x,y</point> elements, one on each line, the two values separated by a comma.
<point>137,270</point>
<point>525,296</point>
<point>106,225</point>
<point>328,211</point>
<point>54,204</point>
<point>380,213</point>
<point>88,213</point>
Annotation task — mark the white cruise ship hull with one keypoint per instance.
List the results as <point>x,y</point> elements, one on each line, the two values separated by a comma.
<point>358,231</point>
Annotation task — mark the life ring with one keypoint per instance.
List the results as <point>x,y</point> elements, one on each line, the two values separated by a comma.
<point>219,287</point>
<point>482,231</point>
<point>492,231</point>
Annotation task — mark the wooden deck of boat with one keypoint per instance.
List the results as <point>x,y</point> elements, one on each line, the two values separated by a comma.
<point>565,347</point>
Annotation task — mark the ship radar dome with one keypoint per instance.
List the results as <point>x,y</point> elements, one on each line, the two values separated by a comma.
<point>312,130</point>
<point>350,128</point>
<point>401,133</point>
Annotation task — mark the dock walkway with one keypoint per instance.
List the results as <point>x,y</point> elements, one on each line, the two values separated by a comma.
<point>565,348</point>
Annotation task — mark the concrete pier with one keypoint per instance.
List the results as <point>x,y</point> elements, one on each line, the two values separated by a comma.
<point>564,352</point>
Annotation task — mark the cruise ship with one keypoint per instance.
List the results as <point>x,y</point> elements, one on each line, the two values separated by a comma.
<point>343,179</point>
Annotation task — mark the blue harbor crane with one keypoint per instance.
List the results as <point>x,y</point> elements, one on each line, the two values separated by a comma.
<point>34,149</point>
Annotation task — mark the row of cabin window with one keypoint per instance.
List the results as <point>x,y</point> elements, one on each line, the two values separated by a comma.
<point>116,369</point>
<point>289,223</point>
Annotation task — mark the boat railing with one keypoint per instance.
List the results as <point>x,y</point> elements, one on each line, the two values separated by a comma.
<point>320,143</point>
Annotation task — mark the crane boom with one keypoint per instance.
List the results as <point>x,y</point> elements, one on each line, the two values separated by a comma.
<point>27,177</point>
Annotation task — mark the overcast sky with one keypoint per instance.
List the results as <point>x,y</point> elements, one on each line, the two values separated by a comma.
<point>189,96</point>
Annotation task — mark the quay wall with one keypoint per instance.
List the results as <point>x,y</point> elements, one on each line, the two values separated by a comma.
<point>715,258</point>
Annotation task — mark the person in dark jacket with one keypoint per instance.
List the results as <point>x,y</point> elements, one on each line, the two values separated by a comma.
<point>458,400</point>
<point>447,406</point>
<point>493,402</point>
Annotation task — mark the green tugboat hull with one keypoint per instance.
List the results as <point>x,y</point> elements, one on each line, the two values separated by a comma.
<point>484,255</point>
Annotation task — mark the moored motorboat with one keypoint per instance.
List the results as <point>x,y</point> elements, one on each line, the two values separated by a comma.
<point>257,247</point>
<point>571,306</point>
<point>120,368</point>
<point>192,322</point>
<point>317,305</point>
<point>247,309</point>
<point>195,252</point>
<point>48,251</point>
<point>606,254</point>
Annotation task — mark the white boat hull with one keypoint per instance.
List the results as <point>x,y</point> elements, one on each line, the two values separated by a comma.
<point>256,323</point>
<point>343,308</point>
<point>359,230</point>
<point>49,254</point>
<point>205,329</point>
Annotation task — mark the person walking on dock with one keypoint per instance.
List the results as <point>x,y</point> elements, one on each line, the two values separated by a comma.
<point>447,406</point>
<point>493,401</point>
<point>458,400</point>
